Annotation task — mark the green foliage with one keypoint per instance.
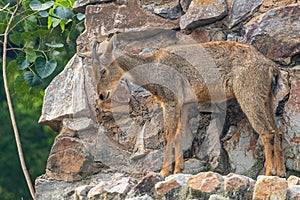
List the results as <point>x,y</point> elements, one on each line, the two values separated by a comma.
<point>40,43</point>
<point>35,37</point>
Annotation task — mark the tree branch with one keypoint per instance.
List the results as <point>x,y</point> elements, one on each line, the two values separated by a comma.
<point>11,111</point>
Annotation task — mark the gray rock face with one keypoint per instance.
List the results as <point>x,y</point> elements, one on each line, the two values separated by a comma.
<point>98,143</point>
<point>203,12</point>
<point>269,32</point>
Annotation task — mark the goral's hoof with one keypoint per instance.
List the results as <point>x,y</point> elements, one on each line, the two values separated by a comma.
<point>282,175</point>
<point>164,173</point>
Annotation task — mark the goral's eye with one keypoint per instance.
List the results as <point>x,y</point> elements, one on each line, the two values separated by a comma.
<point>103,72</point>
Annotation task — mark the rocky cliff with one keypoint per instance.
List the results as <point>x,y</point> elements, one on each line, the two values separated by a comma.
<point>113,150</point>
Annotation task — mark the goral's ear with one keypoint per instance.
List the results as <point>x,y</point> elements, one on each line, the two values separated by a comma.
<point>95,60</point>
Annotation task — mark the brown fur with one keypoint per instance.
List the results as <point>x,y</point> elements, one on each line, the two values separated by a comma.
<point>245,74</point>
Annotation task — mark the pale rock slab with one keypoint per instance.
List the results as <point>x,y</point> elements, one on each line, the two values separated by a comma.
<point>243,151</point>
<point>240,10</point>
<point>66,95</point>
<point>268,33</point>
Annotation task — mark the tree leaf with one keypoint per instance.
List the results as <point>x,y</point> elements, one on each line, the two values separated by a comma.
<point>40,32</point>
<point>16,38</point>
<point>23,65</point>
<point>55,22</point>
<point>80,16</point>
<point>64,12</point>
<point>30,24</point>
<point>62,25</point>
<point>55,45</point>
<point>31,78</point>
<point>45,69</point>
<point>20,84</point>
<point>43,14</point>
<point>12,64</point>
<point>30,55</point>
<point>38,6</point>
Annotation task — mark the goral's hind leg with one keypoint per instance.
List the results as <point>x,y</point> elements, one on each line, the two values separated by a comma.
<point>268,142</point>
<point>278,154</point>
<point>167,165</point>
<point>179,137</point>
<point>171,118</point>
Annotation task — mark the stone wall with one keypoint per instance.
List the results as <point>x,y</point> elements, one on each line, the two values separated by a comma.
<point>104,151</point>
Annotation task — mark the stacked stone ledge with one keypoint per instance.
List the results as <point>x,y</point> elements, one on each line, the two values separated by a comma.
<point>93,158</point>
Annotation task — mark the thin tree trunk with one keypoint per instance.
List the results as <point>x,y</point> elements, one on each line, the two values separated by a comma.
<point>11,111</point>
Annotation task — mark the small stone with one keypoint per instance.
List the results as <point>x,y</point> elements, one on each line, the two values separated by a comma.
<point>193,166</point>
<point>121,186</point>
<point>238,186</point>
<point>270,187</point>
<point>146,185</point>
<point>235,182</point>
<point>69,160</point>
<point>167,9</point>
<point>293,180</point>
<point>171,182</point>
<point>203,12</point>
<point>293,192</point>
<point>206,182</point>
<point>78,124</point>
<point>165,186</point>
<point>116,189</point>
<point>185,4</point>
<point>217,197</point>
<point>97,190</point>
<point>82,191</point>
<point>144,197</point>
<point>79,5</point>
